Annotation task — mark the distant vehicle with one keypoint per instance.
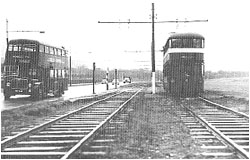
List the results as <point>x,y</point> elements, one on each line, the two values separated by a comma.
<point>104,81</point>
<point>117,81</point>
<point>35,69</point>
<point>183,65</point>
<point>127,80</point>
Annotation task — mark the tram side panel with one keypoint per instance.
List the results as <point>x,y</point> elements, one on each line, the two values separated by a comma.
<point>184,77</point>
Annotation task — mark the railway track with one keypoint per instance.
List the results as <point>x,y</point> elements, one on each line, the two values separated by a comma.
<point>63,136</point>
<point>223,132</point>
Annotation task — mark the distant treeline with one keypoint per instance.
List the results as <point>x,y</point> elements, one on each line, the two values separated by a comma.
<point>86,74</point>
<point>225,74</point>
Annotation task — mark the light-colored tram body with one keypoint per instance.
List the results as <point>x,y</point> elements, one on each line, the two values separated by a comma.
<point>183,65</point>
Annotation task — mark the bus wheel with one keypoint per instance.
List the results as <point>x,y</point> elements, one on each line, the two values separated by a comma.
<point>6,97</point>
<point>59,92</point>
<point>40,94</point>
<point>37,94</point>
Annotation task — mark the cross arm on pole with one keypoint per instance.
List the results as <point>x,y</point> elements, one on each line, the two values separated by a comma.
<point>28,31</point>
<point>122,22</point>
<point>170,21</point>
<point>180,21</point>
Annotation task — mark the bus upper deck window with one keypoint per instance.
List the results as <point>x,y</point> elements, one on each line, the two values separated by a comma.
<point>63,73</point>
<point>56,73</point>
<point>10,47</point>
<point>41,48</point>
<point>52,73</point>
<point>29,47</point>
<point>59,52</point>
<point>51,50</point>
<point>46,49</point>
<point>16,48</point>
<point>56,51</point>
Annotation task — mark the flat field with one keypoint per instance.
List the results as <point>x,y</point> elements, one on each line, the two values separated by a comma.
<point>237,87</point>
<point>231,92</point>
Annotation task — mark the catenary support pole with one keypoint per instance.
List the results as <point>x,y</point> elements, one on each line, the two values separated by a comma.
<point>153,52</point>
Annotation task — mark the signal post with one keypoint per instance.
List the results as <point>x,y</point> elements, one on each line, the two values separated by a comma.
<point>107,75</point>
<point>93,77</point>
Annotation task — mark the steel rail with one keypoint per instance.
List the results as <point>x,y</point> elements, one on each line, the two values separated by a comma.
<point>221,106</point>
<point>7,142</point>
<point>95,131</point>
<point>219,134</point>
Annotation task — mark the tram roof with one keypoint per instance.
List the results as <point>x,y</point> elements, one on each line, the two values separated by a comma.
<point>33,41</point>
<point>187,35</point>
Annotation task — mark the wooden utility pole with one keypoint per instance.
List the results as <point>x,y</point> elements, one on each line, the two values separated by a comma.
<point>153,40</point>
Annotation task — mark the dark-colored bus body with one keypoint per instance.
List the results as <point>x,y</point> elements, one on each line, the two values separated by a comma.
<point>36,69</point>
<point>183,68</point>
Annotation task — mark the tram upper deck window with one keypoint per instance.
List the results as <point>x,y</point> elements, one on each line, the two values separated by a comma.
<point>186,43</point>
<point>175,43</point>
<point>197,43</point>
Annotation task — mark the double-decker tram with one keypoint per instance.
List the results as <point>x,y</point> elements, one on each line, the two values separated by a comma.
<point>36,69</point>
<point>183,65</point>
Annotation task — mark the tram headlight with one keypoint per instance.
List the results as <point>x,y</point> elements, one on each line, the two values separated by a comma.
<point>8,84</point>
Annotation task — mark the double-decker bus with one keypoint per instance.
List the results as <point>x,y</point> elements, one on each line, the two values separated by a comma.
<point>36,69</point>
<point>183,65</point>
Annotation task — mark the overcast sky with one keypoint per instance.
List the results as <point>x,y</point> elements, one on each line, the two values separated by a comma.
<point>74,25</point>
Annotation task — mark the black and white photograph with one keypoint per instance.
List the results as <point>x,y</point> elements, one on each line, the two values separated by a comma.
<point>124,79</point>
